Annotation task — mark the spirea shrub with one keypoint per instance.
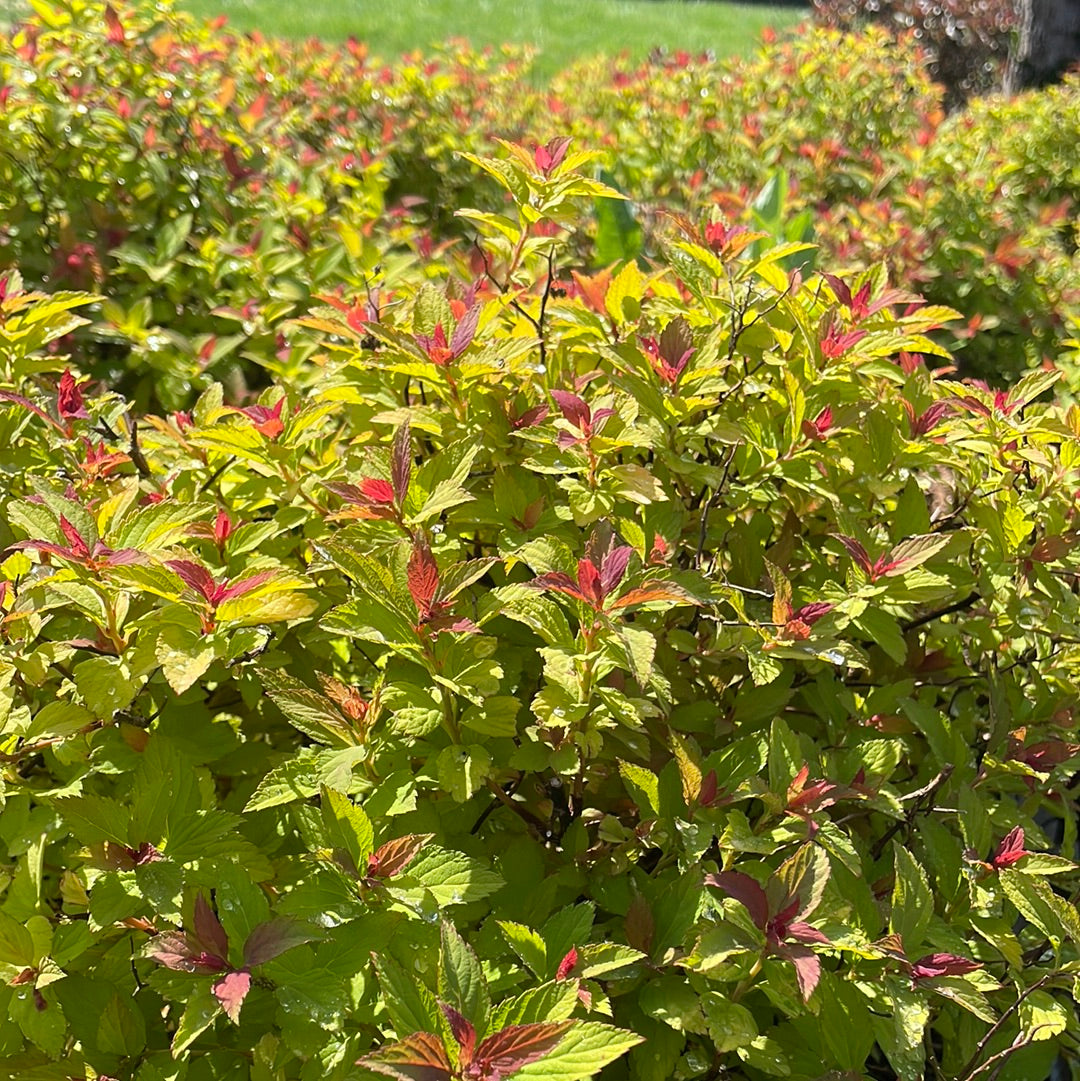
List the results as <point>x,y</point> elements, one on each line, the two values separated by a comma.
<point>209,185</point>
<point>644,674</point>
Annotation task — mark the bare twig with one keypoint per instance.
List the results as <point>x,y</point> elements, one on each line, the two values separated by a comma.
<point>712,500</point>
<point>972,1067</point>
<point>923,800</point>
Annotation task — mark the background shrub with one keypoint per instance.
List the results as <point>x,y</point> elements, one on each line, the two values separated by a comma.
<point>968,40</point>
<point>212,203</point>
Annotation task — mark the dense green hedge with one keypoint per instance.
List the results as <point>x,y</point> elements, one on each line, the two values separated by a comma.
<point>660,673</point>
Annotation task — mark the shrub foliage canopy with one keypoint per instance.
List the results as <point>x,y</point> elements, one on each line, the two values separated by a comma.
<point>657,672</point>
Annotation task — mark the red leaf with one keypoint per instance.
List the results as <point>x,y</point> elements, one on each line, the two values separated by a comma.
<point>274,937</point>
<point>515,1046</point>
<point>1043,757</point>
<point>747,891</point>
<point>566,965</point>
<point>1010,849</point>
<point>393,857</point>
<point>69,399</point>
<point>124,557</point>
<point>401,462</point>
<point>1050,549</point>
<point>573,408</point>
<point>267,420</point>
<point>530,417</point>
<point>419,1057</point>
<point>208,928</point>
<point>551,155</point>
<point>709,789</point>
<point>811,613</point>
<point>379,491</point>
<point>175,950</point>
<point>857,552</point>
<point>613,567</point>
<point>840,289</point>
<point>559,583</point>
<point>640,925</point>
<point>931,418</point>
<point>423,578</point>
<point>375,497</point>
<point>193,575</point>
<point>804,933</point>
<point>79,547</point>
<point>230,991</point>
<point>464,332</point>
<point>114,34</point>
<point>661,591</point>
<point>223,528</point>
<point>245,585</point>
<point>462,1030</point>
<point>589,582</point>
<point>807,968</point>
<point>942,964</point>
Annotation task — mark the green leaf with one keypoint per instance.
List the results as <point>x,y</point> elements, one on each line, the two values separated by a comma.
<point>584,1051</point>
<point>166,789</point>
<point>159,526</point>
<point>785,757</point>
<point>730,1025</point>
<point>568,927</point>
<point>311,712</point>
<point>912,900</point>
<point>44,1027</point>
<point>527,944</point>
<point>184,655</point>
<point>537,612</point>
<point>409,1002</point>
<point>1042,1017</point>
<point>674,905</point>
<point>552,1001</point>
<point>883,629</point>
<point>644,788</point>
<point>1036,901</point>
<point>901,1034</point>
<point>913,552</point>
<point>600,958</point>
<point>453,878</point>
<point>496,717</point>
<point>199,1014</point>
<point>59,720</point>
<point>618,234</point>
<point>96,818</point>
<point>105,685</point>
<point>765,1054</point>
<point>347,827</point>
<point>638,649</point>
<point>16,942</point>
<point>957,989</point>
<point>462,771</point>
<point>671,1000</point>
<point>461,979</point>
<point>122,1028</point>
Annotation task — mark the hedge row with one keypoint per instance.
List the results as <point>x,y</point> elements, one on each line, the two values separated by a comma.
<point>211,185</point>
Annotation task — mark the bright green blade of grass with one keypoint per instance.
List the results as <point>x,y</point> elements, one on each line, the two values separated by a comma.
<point>563,30</point>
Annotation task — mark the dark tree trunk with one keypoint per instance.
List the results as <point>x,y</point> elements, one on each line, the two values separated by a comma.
<point>1048,43</point>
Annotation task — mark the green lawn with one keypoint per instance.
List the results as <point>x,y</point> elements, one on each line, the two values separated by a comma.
<point>562,30</point>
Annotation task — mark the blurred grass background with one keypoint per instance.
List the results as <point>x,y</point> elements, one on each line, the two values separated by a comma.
<point>562,30</point>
